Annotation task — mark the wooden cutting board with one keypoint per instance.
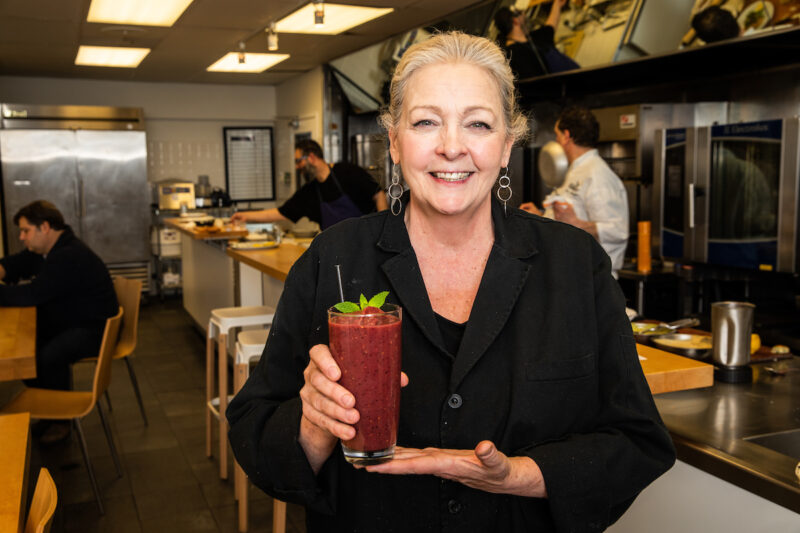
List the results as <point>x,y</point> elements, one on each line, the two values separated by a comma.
<point>667,372</point>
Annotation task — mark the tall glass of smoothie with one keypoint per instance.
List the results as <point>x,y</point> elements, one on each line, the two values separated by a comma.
<point>367,348</point>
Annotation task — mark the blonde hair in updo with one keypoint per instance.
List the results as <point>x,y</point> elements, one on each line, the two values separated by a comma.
<point>457,47</point>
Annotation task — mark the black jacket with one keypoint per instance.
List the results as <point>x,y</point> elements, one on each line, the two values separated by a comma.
<point>547,368</point>
<point>70,288</point>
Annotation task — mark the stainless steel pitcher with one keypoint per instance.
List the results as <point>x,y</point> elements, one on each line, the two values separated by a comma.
<point>731,329</point>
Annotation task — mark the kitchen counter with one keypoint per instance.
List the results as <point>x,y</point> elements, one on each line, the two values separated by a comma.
<point>723,480</point>
<point>205,233</point>
<point>709,427</point>
<point>275,262</point>
<point>207,273</point>
<point>261,273</point>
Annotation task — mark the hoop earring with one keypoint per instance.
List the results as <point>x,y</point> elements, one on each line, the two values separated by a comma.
<point>395,191</point>
<point>504,187</point>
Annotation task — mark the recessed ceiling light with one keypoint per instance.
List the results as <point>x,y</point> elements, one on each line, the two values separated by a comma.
<point>252,62</point>
<point>141,12</point>
<point>338,18</point>
<point>110,56</point>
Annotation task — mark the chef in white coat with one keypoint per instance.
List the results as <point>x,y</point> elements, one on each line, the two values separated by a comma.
<point>592,196</point>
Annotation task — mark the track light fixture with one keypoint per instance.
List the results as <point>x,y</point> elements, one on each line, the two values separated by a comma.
<point>319,13</point>
<point>242,56</point>
<point>272,37</point>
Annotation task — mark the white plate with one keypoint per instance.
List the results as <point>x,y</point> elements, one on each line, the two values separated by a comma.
<point>767,11</point>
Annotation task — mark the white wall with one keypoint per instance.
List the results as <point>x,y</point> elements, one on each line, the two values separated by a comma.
<point>298,98</point>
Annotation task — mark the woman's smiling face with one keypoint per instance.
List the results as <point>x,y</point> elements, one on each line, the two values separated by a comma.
<point>451,139</point>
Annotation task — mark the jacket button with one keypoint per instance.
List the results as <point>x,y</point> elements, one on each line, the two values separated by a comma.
<point>454,506</point>
<point>454,401</point>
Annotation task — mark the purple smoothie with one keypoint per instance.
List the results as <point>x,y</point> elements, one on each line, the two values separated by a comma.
<point>367,349</point>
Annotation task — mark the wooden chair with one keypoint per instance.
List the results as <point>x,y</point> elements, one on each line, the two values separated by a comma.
<point>129,295</point>
<point>49,404</point>
<point>43,505</point>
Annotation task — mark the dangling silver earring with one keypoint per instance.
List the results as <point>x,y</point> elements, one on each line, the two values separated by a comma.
<point>396,191</point>
<point>504,191</point>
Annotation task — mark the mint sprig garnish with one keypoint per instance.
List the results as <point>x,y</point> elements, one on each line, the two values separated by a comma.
<point>376,301</point>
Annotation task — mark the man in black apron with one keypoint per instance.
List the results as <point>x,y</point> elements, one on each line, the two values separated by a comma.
<point>330,195</point>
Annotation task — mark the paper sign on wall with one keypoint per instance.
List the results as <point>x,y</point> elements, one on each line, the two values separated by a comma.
<point>627,121</point>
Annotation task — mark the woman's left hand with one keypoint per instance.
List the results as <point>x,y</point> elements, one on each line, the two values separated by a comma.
<point>484,468</point>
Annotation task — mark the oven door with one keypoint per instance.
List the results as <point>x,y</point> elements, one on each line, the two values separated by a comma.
<point>744,185</point>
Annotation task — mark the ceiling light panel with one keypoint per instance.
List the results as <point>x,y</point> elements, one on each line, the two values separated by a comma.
<point>139,12</point>
<point>338,18</point>
<point>252,62</point>
<point>110,56</point>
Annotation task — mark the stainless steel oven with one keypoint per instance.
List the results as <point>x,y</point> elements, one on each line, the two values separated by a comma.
<point>736,188</point>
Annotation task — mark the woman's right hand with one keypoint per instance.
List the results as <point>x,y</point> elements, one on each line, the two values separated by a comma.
<point>328,408</point>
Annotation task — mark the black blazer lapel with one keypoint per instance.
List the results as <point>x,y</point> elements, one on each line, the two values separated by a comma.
<point>500,286</point>
<point>407,284</point>
<point>503,279</point>
<point>405,277</point>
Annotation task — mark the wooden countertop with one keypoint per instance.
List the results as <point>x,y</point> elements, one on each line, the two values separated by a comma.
<point>202,234</point>
<point>15,448</point>
<point>274,262</point>
<point>667,372</point>
<point>17,343</point>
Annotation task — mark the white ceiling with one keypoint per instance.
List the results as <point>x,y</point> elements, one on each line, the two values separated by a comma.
<point>41,38</point>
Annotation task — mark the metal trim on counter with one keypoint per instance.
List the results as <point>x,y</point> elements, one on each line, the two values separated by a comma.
<point>713,430</point>
<point>745,470</point>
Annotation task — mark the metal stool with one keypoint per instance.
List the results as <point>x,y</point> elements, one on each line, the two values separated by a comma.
<point>249,347</point>
<point>220,323</point>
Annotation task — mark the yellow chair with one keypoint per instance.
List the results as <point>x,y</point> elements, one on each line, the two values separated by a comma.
<point>49,404</point>
<point>129,295</point>
<point>43,505</point>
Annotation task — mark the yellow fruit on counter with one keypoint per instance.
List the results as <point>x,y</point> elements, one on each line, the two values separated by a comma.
<point>755,343</point>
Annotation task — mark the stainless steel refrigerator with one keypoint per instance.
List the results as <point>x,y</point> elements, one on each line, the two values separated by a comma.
<point>91,162</point>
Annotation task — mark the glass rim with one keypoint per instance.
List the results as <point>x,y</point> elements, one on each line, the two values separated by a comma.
<point>332,311</point>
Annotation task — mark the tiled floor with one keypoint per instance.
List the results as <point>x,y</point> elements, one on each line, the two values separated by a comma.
<point>168,484</point>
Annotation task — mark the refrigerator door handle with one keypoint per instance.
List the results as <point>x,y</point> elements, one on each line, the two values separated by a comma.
<point>77,197</point>
<point>82,201</point>
<point>691,205</point>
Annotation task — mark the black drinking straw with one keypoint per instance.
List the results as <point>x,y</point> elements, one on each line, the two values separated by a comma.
<point>339,278</point>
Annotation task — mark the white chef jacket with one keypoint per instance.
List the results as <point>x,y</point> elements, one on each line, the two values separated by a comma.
<point>597,195</point>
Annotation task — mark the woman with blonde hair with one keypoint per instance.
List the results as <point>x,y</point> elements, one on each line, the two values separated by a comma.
<point>524,406</point>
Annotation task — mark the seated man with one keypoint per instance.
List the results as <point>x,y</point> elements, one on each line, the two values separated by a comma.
<point>69,285</point>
